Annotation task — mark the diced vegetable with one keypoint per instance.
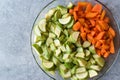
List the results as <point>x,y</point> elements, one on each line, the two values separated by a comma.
<point>92,73</point>
<point>70,5</point>
<point>37,49</point>
<point>82,75</point>
<point>42,25</point>
<point>65,20</point>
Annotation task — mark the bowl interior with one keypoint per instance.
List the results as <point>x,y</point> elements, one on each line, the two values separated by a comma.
<point>109,61</point>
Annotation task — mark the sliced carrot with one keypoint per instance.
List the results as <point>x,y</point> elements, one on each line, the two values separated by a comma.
<point>93,33</point>
<point>71,11</point>
<point>76,26</point>
<point>86,30</point>
<point>88,8</point>
<point>100,35</point>
<point>94,41</point>
<point>105,46</point>
<point>103,25</point>
<point>75,16</point>
<point>92,22</point>
<point>98,44</point>
<point>91,15</point>
<point>86,25</point>
<point>112,31</point>
<point>103,15</point>
<point>106,19</point>
<point>83,35</point>
<point>112,49</point>
<point>81,29</point>
<point>76,8</point>
<point>103,51</point>
<point>106,54</point>
<point>98,28</point>
<point>83,4</point>
<point>81,20</point>
<point>97,8</point>
<point>89,37</point>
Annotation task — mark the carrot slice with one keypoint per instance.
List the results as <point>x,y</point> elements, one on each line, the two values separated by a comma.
<point>92,22</point>
<point>112,31</point>
<point>91,15</point>
<point>103,51</point>
<point>98,52</point>
<point>88,8</point>
<point>76,26</point>
<point>81,20</point>
<point>89,37</point>
<point>86,30</point>
<point>105,46</point>
<point>106,54</point>
<point>76,8</point>
<point>94,41</point>
<point>75,16</point>
<point>83,4</point>
<point>103,25</point>
<point>83,35</point>
<point>100,35</point>
<point>93,33</point>
<point>98,44</point>
<point>97,8</point>
<point>98,28</point>
<point>112,49</point>
<point>106,19</point>
<point>103,15</point>
<point>71,11</point>
<point>81,29</point>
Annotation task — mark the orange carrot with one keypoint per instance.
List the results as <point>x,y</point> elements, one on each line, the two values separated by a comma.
<point>92,22</point>
<point>94,41</point>
<point>93,33</point>
<point>106,19</point>
<point>81,29</point>
<point>91,15</point>
<point>89,37</point>
<point>88,8</point>
<point>106,54</point>
<point>71,11</point>
<point>100,35</point>
<point>98,52</point>
<point>112,31</point>
<point>97,8</point>
<point>76,8</point>
<point>86,30</point>
<point>112,49</point>
<point>86,25</point>
<point>103,51</point>
<point>83,35</point>
<point>81,20</point>
<point>76,26</point>
<point>103,25</point>
<point>98,44</point>
<point>75,16</point>
<point>98,28</point>
<point>83,4</point>
<point>103,15</point>
<point>105,46</point>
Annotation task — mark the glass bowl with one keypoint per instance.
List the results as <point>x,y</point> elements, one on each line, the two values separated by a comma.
<point>109,61</point>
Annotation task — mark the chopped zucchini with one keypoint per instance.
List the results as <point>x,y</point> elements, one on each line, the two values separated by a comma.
<point>66,75</point>
<point>80,50</point>
<point>55,61</point>
<point>65,20</point>
<point>95,67</point>
<point>82,62</point>
<point>57,42</point>
<point>50,13</point>
<point>48,64</point>
<point>92,61</point>
<point>37,30</point>
<point>73,70</point>
<point>42,25</point>
<point>92,73</point>
<point>63,49</point>
<point>65,15</point>
<point>57,52</point>
<point>52,47</point>
<point>52,35</point>
<point>70,5</point>
<point>92,49</point>
<point>49,41</point>
<point>68,65</point>
<point>68,49</point>
<point>87,53</point>
<point>62,9</point>
<point>99,60</point>
<point>80,70</point>
<point>70,24</point>
<point>57,31</point>
<point>62,68</point>
<point>37,49</point>
<point>82,75</point>
<point>57,15</point>
<point>80,55</point>
<point>66,56</point>
<point>86,44</point>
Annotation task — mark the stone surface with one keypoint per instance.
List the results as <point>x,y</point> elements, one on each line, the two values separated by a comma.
<point>16,60</point>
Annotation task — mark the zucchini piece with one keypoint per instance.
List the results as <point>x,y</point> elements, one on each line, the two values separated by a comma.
<point>57,15</point>
<point>46,53</point>
<point>65,15</point>
<point>42,25</point>
<point>52,35</point>
<point>37,49</point>
<point>73,70</point>
<point>82,62</point>
<point>73,37</point>
<point>39,38</point>
<point>57,31</point>
<point>52,27</point>
<point>57,52</point>
<point>92,61</point>
<point>70,5</point>
<point>86,44</point>
<point>92,73</point>
<point>52,47</point>
<point>66,75</point>
<point>74,78</point>
<point>80,70</point>
<point>62,9</point>
<point>62,68</point>
<point>65,20</point>
<point>80,50</point>
<point>63,49</point>
<point>95,67</point>
<point>80,55</point>
<point>66,32</point>
<point>87,53</point>
<point>37,30</point>
<point>49,41</point>
<point>57,42</point>
<point>82,75</point>
<point>88,65</point>
<point>47,64</point>
<point>70,24</point>
<point>66,56</point>
<point>68,49</point>
<point>99,60</point>
<point>50,13</point>
<point>92,49</point>
<point>68,65</point>
<point>55,61</point>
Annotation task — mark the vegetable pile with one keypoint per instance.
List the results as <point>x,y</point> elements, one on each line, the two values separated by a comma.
<point>73,40</point>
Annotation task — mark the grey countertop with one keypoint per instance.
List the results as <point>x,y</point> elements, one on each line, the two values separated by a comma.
<point>16,20</point>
